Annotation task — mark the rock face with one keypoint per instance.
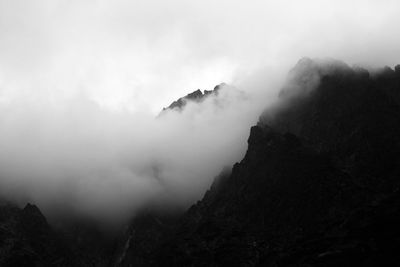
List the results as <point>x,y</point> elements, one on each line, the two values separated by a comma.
<point>143,236</point>
<point>318,186</point>
<point>196,96</point>
<point>26,239</point>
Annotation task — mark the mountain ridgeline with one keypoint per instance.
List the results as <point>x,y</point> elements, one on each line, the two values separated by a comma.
<point>196,96</point>
<point>318,186</point>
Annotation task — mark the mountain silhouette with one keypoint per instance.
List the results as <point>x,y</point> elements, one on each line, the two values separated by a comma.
<point>318,186</point>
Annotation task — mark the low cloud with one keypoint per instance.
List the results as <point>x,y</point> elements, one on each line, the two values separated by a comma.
<point>80,158</point>
<point>82,82</point>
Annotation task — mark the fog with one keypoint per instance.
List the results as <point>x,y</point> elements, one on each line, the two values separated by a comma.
<point>75,157</point>
<point>82,83</point>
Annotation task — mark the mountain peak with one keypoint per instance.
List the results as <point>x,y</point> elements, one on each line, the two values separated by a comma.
<point>195,96</point>
<point>305,76</point>
<point>318,185</point>
<point>31,208</point>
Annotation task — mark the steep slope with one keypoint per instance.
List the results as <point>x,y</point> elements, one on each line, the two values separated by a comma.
<point>26,239</point>
<point>318,185</point>
<point>196,96</point>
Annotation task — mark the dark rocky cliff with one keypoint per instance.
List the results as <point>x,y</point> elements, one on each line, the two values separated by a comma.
<point>26,239</point>
<point>319,185</point>
<point>196,96</point>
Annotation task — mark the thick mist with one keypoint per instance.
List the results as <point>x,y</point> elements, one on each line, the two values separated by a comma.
<point>82,83</point>
<point>76,157</point>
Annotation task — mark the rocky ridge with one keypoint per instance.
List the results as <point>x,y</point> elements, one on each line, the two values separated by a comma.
<point>195,96</point>
<point>318,186</point>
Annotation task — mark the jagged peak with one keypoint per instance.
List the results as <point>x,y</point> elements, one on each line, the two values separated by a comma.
<point>305,76</point>
<point>31,208</point>
<point>196,96</point>
<point>32,211</point>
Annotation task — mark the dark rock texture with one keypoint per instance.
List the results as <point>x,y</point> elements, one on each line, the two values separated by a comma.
<point>26,239</point>
<point>196,96</point>
<point>318,186</point>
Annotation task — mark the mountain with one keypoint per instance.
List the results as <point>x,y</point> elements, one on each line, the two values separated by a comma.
<point>26,239</point>
<point>318,186</point>
<point>195,96</point>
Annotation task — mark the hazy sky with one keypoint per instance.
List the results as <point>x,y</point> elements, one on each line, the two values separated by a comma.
<point>147,53</point>
<point>81,83</point>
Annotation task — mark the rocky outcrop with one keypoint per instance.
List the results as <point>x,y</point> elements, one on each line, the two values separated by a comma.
<point>26,239</point>
<point>147,230</point>
<point>318,186</point>
<point>196,96</point>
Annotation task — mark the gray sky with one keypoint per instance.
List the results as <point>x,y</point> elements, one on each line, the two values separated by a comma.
<point>137,54</point>
<point>81,83</point>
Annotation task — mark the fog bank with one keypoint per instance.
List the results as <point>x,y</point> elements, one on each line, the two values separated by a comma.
<point>82,82</point>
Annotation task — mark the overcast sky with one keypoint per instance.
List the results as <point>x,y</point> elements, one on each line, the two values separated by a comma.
<point>81,83</point>
<point>144,54</point>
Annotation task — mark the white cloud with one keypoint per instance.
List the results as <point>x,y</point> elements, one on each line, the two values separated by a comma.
<point>81,81</point>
